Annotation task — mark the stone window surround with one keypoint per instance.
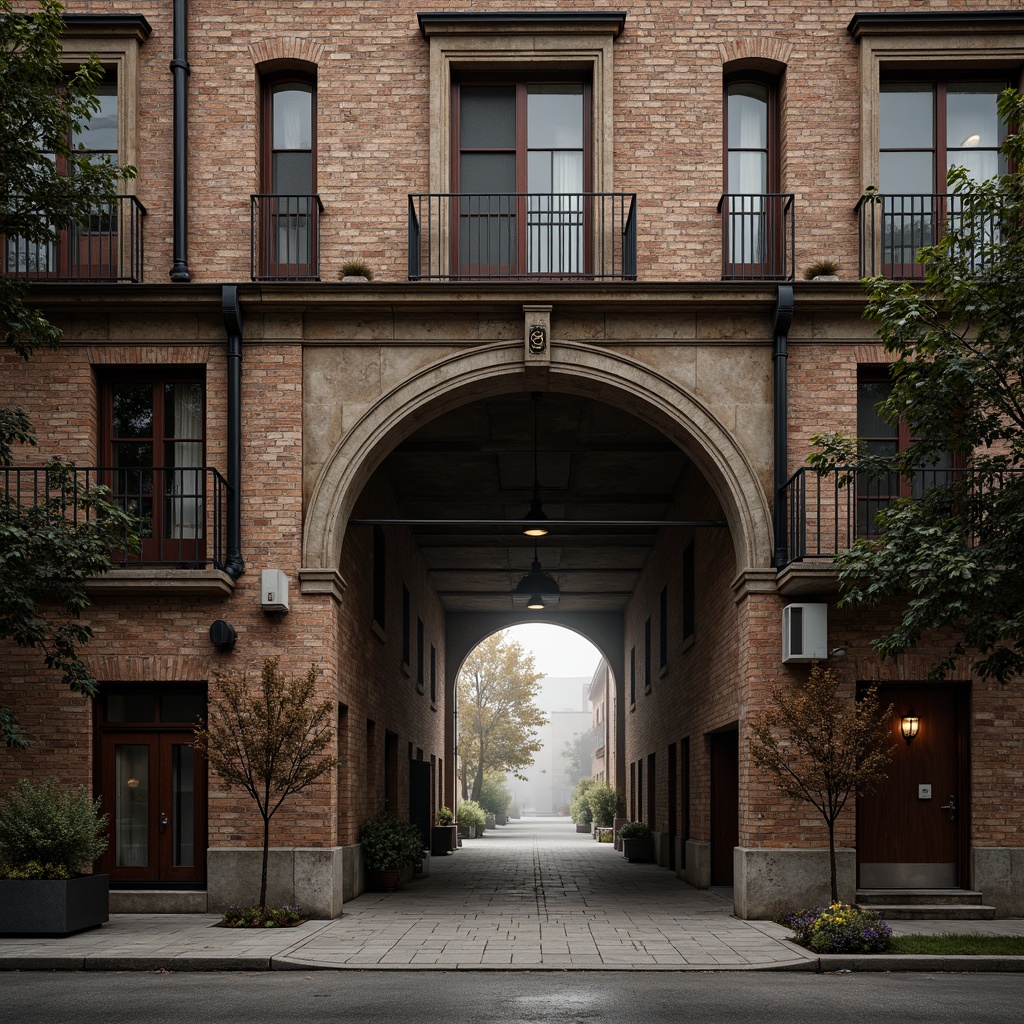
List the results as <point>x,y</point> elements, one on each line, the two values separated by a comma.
<point>553,41</point>
<point>936,42</point>
<point>115,40</point>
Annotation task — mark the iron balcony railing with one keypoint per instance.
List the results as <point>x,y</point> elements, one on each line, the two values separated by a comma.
<point>522,235</point>
<point>892,228</point>
<point>106,247</point>
<point>284,237</point>
<point>758,242</point>
<point>181,513</point>
<point>825,514</point>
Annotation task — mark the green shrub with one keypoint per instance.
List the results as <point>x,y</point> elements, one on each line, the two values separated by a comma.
<point>635,830</point>
<point>445,816</point>
<point>470,813</point>
<point>494,795</point>
<point>262,917</point>
<point>49,832</point>
<point>580,811</point>
<point>389,843</point>
<point>604,802</point>
<point>839,928</point>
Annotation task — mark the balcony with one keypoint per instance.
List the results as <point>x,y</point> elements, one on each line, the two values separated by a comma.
<point>824,515</point>
<point>107,247</point>
<point>757,237</point>
<point>892,228</point>
<point>284,237</point>
<point>182,512</point>
<point>585,236</point>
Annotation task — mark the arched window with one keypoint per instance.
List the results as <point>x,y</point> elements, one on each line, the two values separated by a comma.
<point>287,211</point>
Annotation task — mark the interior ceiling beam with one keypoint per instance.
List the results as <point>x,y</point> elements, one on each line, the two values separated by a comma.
<point>496,570</point>
<point>562,593</point>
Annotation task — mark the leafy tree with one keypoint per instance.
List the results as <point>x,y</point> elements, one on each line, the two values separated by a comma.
<point>269,741</point>
<point>496,712</point>
<point>495,796</point>
<point>46,185</point>
<point>577,755</point>
<point>955,553</point>
<point>820,748</point>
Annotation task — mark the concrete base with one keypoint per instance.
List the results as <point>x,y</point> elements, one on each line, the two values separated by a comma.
<point>311,878</point>
<point>698,864</point>
<point>661,850</point>
<point>157,901</point>
<point>997,872</point>
<point>769,882</point>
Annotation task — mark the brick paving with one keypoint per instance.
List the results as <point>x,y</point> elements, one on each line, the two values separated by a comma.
<point>532,895</point>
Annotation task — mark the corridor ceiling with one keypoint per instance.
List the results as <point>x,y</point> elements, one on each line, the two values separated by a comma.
<point>595,462</point>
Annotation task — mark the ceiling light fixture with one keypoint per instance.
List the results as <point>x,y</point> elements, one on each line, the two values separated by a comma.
<point>536,590</point>
<point>537,519</point>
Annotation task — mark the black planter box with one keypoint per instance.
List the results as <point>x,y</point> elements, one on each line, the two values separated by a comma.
<point>45,907</point>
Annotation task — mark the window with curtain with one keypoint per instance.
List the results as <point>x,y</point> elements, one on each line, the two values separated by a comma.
<point>521,174</point>
<point>751,175</point>
<point>154,426</point>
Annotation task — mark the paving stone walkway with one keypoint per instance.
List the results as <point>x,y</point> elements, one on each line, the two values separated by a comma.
<point>532,895</point>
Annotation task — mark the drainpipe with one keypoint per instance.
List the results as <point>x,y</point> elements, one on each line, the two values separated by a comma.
<point>232,311</point>
<point>180,71</point>
<point>782,317</point>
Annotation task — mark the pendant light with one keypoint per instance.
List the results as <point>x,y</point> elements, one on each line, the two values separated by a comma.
<point>536,590</point>
<point>537,519</point>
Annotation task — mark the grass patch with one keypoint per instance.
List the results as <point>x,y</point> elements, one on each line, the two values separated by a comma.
<point>951,944</point>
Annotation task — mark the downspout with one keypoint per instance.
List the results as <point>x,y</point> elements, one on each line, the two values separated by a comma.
<point>782,318</point>
<point>232,310</point>
<point>180,72</point>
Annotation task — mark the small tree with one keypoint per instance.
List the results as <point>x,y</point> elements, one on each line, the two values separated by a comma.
<point>268,741</point>
<point>577,755</point>
<point>819,748</point>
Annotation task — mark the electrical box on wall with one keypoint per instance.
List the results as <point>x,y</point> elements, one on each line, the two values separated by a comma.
<point>804,632</point>
<point>273,591</point>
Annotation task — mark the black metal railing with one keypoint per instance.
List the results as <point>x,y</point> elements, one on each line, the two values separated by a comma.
<point>758,242</point>
<point>180,513</point>
<point>522,235</point>
<point>892,228</point>
<point>825,514</point>
<point>106,247</point>
<point>284,237</point>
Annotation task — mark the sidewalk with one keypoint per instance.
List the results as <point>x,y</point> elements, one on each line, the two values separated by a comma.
<point>533,895</point>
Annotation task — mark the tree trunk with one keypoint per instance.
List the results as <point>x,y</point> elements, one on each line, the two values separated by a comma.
<point>832,859</point>
<point>266,857</point>
<point>478,781</point>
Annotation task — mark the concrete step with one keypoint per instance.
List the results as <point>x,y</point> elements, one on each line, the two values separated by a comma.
<point>158,901</point>
<point>912,897</point>
<point>940,912</point>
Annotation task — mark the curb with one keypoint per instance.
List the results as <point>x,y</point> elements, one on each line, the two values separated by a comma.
<point>830,963</point>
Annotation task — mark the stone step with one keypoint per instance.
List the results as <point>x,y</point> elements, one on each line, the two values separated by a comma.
<point>938,912</point>
<point>933,897</point>
<point>158,901</point>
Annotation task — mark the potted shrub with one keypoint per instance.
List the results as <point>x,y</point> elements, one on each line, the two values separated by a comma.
<point>604,802</point>
<point>444,835</point>
<point>389,846</point>
<point>637,841</point>
<point>355,270</point>
<point>580,810</point>
<point>471,816</point>
<point>48,838</point>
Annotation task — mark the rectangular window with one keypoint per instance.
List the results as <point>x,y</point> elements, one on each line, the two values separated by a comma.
<point>419,654</point>
<point>433,674</point>
<point>406,629</point>
<point>647,655</point>
<point>663,628</point>
<point>379,563</point>
<point>153,426</point>
<point>632,677</point>
<point>689,591</point>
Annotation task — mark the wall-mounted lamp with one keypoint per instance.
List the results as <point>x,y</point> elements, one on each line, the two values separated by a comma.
<point>909,726</point>
<point>222,635</point>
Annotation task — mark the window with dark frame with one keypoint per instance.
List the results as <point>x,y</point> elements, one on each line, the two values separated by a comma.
<point>153,429</point>
<point>647,655</point>
<point>689,591</point>
<point>406,628</point>
<point>663,627</point>
<point>289,204</point>
<point>419,654</point>
<point>433,674</point>
<point>379,563</point>
<point>632,677</point>
<point>521,164</point>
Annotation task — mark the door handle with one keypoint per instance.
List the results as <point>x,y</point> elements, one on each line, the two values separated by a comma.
<point>951,807</point>
<point>163,820</point>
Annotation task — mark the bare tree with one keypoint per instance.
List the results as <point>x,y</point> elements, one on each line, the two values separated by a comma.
<point>268,741</point>
<point>820,748</point>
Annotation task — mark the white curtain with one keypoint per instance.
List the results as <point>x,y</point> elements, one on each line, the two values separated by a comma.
<point>186,522</point>
<point>556,220</point>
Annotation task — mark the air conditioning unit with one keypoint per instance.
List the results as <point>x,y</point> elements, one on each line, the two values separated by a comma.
<point>273,591</point>
<point>804,632</point>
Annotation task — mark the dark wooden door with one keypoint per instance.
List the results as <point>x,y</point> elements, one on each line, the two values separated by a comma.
<point>673,810</point>
<point>420,789</point>
<point>911,830</point>
<point>154,789</point>
<point>725,804</point>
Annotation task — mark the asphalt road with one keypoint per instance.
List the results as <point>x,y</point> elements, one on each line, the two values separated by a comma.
<point>517,998</point>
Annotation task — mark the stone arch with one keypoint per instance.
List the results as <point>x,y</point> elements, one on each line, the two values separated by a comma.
<point>756,53</point>
<point>575,368</point>
<point>286,51</point>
